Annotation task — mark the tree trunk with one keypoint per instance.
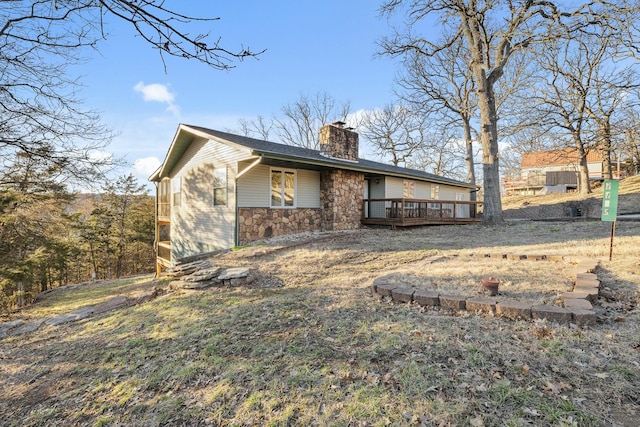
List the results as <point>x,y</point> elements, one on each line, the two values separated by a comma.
<point>471,169</point>
<point>94,262</point>
<point>492,212</point>
<point>585,187</point>
<point>20,296</point>
<point>605,129</point>
<point>471,172</point>
<point>108,261</point>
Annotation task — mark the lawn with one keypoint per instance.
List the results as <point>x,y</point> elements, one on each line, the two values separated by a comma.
<point>308,343</point>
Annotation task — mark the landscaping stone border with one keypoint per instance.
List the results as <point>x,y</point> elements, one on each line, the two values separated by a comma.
<point>576,305</point>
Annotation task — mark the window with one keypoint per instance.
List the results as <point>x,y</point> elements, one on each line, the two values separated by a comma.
<point>283,185</point>
<point>176,189</point>
<point>164,198</point>
<point>435,192</point>
<point>220,186</point>
<point>435,195</point>
<point>409,189</point>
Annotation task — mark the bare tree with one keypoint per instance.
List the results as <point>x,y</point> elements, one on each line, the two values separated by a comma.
<point>525,139</point>
<point>492,32</point>
<point>259,128</point>
<point>40,111</point>
<point>612,95</point>
<point>442,87</point>
<point>442,153</point>
<point>393,130</point>
<point>581,92</point>
<point>630,145</point>
<point>302,119</point>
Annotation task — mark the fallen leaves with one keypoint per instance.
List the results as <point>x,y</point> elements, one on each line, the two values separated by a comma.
<point>543,332</point>
<point>556,388</point>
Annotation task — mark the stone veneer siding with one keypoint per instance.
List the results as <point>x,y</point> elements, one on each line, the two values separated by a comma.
<point>258,223</point>
<point>338,142</point>
<point>341,198</point>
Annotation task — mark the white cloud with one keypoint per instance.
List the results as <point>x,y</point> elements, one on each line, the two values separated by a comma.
<point>146,166</point>
<point>156,92</point>
<point>100,156</point>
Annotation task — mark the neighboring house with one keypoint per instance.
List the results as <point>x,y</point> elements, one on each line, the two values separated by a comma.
<point>216,190</point>
<point>552,171</point>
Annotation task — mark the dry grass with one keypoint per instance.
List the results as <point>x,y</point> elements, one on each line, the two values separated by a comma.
<point>308,343</point>
<point>519,280</point>
<point>73,297</point>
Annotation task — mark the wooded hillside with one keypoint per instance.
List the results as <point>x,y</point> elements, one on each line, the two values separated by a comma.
<point>50,237</point>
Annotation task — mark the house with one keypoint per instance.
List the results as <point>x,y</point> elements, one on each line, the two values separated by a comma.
<point>216,190</point>
<point>553,171</point>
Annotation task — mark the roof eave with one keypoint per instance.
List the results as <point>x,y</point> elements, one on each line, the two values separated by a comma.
<point>183,137</point>
<point>359,168</point>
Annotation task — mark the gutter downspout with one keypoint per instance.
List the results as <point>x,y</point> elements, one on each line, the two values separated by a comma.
<point>238,175</point>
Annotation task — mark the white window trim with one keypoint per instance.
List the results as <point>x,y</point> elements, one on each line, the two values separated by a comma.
<point>226,187</point>
<point>435,192</point>
<point>295,188</point>
<point>410,187</point>
<point>435,195</point>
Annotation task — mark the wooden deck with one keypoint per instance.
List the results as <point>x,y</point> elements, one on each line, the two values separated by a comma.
<point>410,212</point>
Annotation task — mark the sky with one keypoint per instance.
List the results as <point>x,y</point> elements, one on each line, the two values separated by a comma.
<point>328,46</point>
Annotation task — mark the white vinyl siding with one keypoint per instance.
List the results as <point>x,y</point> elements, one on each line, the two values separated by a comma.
<point>254,188</point>
<point>422,190</point>
<point>393,188</point>
<point>197,226</point>
<point>448,192</point>
<point>308,195</point>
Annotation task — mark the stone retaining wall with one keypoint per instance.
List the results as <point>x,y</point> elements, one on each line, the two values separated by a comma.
<point>259,223</point>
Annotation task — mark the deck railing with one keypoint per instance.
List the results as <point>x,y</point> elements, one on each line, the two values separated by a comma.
<point>403,212</point>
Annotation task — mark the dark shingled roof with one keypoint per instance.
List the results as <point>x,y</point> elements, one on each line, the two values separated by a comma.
<point>307,156</point>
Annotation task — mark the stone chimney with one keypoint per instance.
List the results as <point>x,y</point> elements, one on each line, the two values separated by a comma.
<point>339,142</point>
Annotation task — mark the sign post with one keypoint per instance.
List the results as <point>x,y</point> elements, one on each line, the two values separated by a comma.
<point>610,208</point>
